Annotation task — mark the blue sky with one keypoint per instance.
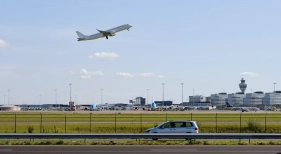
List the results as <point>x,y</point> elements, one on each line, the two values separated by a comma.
<point>207,45</point>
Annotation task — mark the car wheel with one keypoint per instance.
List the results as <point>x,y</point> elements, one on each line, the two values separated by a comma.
<point>188,138</point>
<point>155,138</point>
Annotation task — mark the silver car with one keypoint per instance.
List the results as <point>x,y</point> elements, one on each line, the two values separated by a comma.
<point>175,126</point>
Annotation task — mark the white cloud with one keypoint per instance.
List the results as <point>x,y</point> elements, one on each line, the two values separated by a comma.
<point>84,74</point>
<point>130,75</point>
<point>3,43</point>
<point>105,55</point>
<point>251,74</point>
<point>125,75</point>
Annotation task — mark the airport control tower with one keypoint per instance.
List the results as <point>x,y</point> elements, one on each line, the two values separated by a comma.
<point>243,86</point>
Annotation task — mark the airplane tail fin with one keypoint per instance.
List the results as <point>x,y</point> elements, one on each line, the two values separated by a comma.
<point>80,35</point>
<point>228,105</point>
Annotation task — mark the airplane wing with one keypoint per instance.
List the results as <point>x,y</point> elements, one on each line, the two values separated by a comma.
<point>105,33</point>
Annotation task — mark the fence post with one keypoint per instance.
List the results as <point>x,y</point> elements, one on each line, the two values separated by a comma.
<point>140,122</point>
<point>240,122</point>
<point>65,123</point>
<point>216,122</point>
<point>115,122</point>
<point>90,122</point>
<point>15,123</point>
<point>40,122</point>
<point>265,122</point>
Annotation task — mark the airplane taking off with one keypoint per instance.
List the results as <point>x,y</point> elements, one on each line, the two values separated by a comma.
<point>110,32</point>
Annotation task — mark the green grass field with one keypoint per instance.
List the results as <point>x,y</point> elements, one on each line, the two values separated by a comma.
<point>99,122</point>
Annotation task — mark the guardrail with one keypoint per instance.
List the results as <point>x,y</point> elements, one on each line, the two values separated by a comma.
<point>144,136</point>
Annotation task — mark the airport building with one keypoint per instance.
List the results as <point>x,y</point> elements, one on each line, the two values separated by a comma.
<point>163,103</point>
<point>138,101</point>
<point>254,99</point>
<point>199,100</point>
<point>10,108</point>
<point>236,99</point>
<point>272,98</point>
<point>219,99</point>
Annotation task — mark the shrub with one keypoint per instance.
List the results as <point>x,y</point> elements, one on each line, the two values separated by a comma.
<point>60,142</point>
<point>30,129</point>
<point>253,125</point>
<point>205,143</point>
<point>55,130</point>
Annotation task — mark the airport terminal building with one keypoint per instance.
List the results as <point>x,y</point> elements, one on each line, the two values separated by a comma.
<point>219,99</point>
<point>254,99</point>
<point>272,98</point>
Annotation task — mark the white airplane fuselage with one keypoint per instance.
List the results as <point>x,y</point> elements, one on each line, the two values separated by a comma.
<point>109,32</point>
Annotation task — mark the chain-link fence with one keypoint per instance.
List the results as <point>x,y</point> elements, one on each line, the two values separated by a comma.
<point>137,123</point>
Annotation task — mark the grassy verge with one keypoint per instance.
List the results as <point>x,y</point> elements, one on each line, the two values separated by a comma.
<point>249,127</point>
<point>61,142</point>
<point>71,122</point>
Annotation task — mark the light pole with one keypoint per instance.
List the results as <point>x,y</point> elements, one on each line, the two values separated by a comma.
<point>40,101</point>
<point>4,99</point>
<point>193,98</point>
<point>147,95</point>
<point>8,97</point>
<point>274,93</point>
<point>70,91</point>
<point>56,99</point>
<point>163,96</point>
<point>182,94</point>
<point>101,96</point>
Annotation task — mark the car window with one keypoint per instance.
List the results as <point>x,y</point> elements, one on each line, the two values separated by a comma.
<point>179,124</point>
<point>166,125</point>
<point>189,124</point>
<point>183,124</point>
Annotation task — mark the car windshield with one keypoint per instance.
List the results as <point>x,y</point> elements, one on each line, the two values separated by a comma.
<point>162,124</point>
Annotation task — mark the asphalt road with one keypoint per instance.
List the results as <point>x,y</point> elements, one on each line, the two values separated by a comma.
<point>150,149</point>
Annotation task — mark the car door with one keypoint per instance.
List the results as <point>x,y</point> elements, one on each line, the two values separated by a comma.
<point>165,128</point>
<point>184,127</point>
<point>180,127</point>
<point>189,128</point>
<point>173,127</point>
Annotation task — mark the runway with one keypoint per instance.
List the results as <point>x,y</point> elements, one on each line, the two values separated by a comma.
<point>147,149</point>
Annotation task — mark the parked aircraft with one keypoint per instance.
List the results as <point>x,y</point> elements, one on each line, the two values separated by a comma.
<point>109,32</point>
<point>243,109</point>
